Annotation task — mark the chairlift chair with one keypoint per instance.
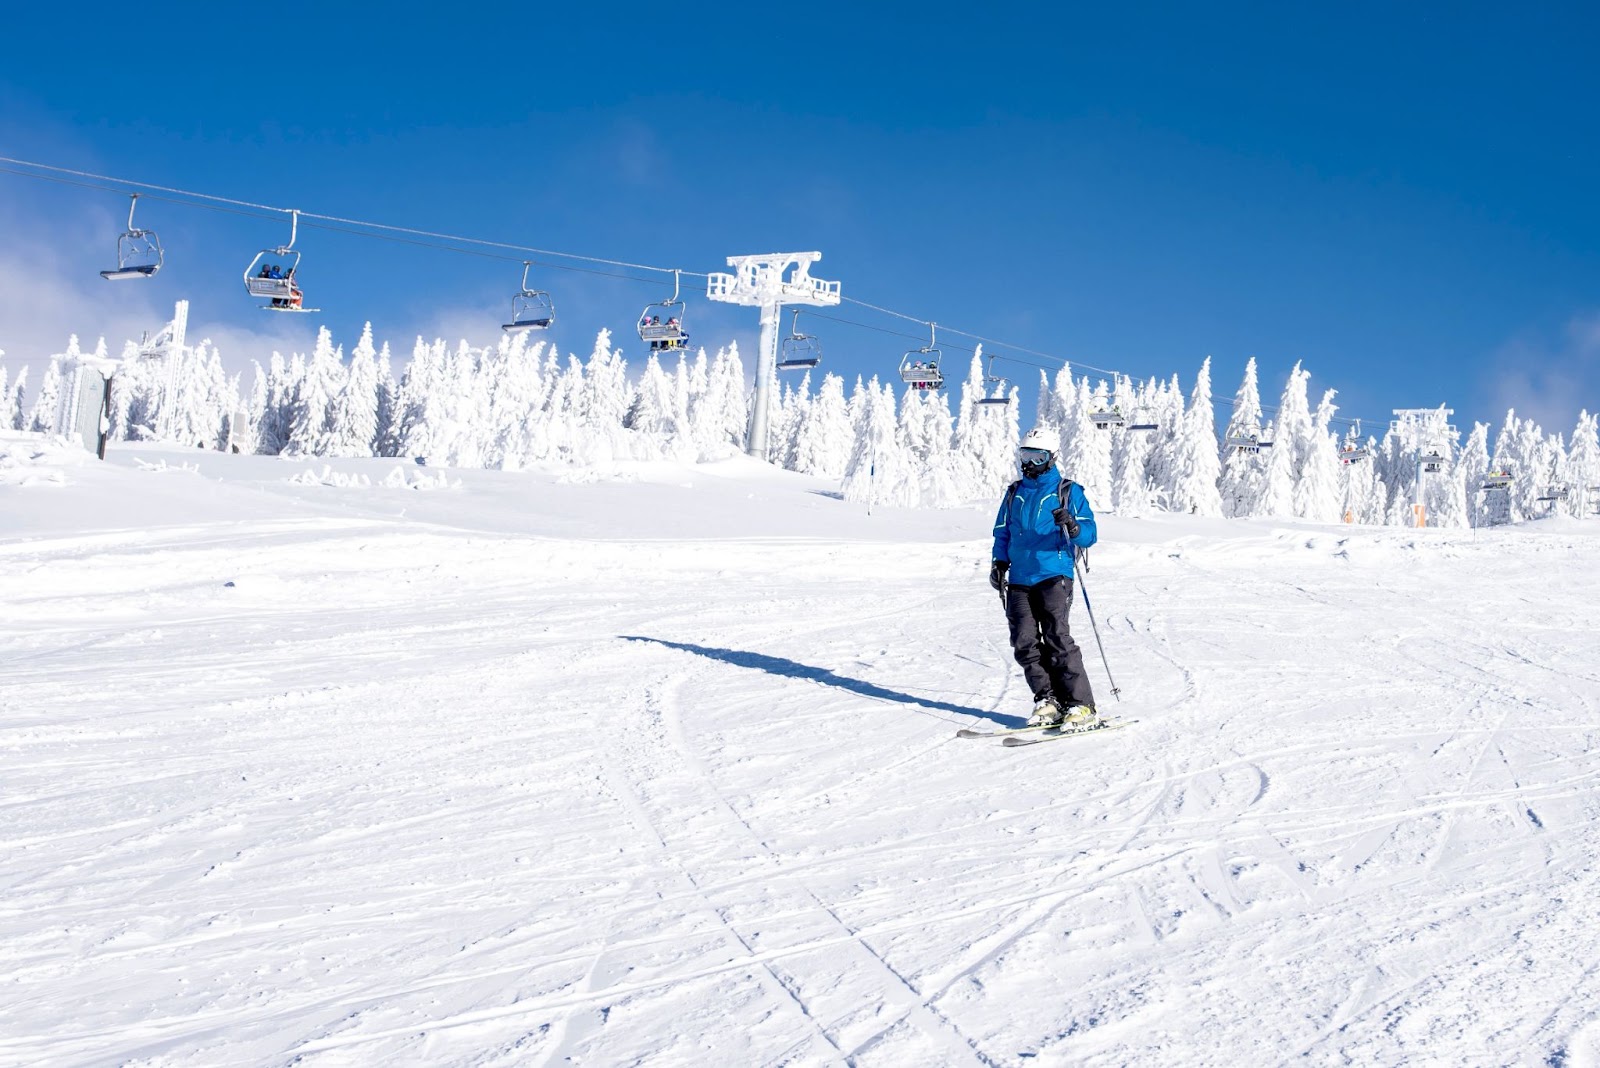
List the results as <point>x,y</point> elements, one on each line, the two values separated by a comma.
<point>665,328</point>
<point>1432,462</point>
<point>800,352</point>
<point>1353,451</point>
<point>1557,492</point>
<point>996,389</point>
<point>1144,420</point>
<point>531,309</point>
<point>1247,442</point>
<point>919,368</point>
<point>1497,480</point>
<point>1108,419</point>
<point>138,251</point>
<point>282,294</point>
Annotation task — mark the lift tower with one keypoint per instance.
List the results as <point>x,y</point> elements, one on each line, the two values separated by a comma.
<point>759,281</point>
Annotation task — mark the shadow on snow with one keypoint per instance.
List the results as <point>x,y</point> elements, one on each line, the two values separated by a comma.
<point>777,665</point>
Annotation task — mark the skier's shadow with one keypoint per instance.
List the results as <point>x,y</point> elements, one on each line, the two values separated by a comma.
<point>777,665</point>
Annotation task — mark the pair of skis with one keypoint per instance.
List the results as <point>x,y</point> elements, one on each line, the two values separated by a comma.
<point>1016,736</point>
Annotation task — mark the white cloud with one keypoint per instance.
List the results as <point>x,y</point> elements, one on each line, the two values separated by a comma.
<point>1549,380</point>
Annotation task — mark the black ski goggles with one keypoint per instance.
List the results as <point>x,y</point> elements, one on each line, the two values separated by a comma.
<point>1033,457</point>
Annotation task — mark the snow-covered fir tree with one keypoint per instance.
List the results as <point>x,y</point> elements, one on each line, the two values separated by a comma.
<point>1244,473</point>
<point>1583,466</point>
<point>42,416</point>
<point>354,417</point>
<point>1196,465</point>
<point>879,471</point>
<point>986,435</point>
<point>1471,469</point>
<point>823,442</point>
<point>1319,492</point>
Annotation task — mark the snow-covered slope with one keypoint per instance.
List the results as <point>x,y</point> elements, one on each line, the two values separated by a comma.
<point>657,764</point>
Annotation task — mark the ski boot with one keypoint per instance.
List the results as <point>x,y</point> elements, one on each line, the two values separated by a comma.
<point>1080,716</point>
<point>1046,713</point>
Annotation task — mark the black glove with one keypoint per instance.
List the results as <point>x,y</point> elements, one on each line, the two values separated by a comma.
<point>997,573</point>
<point>1064,519</point>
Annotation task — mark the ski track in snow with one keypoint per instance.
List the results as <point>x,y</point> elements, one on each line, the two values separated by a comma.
<point>409,794</point>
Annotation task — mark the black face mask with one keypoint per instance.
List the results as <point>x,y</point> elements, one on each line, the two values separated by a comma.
<point>1035,462</point>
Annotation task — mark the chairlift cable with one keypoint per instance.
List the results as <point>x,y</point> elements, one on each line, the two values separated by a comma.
<point>339,219</point>
<point>388,232</point>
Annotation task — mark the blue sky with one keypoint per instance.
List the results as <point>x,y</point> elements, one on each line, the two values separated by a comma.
<point>1403,197</point>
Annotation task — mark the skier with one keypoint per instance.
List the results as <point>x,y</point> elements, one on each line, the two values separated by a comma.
<point>1043,521</point>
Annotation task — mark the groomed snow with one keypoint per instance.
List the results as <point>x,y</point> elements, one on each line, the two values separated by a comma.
<point>656,764</point>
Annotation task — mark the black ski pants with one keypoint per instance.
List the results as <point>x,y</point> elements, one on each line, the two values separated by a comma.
<point>1050,659</point>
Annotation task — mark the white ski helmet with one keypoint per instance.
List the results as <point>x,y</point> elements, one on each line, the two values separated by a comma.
<point>1045,439</point>
<point>1042,437</point>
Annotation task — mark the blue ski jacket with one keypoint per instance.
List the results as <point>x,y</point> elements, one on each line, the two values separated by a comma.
<point>1026,535</point>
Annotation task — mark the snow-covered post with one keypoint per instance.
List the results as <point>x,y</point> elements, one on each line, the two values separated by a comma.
<point>759,281</point>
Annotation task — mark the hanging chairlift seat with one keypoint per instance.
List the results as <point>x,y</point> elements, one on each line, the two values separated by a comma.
<point>139,252</point>
<point>531,309</point>
<point>800,352</point>
<point>998,392</point>
<point>664,324</point>
<point>1432,462</point>
<point>138,256</point>
<point>919,369</point>
<point>1108,420</point>
<point>1352,453</point>
<point>656,326</point>
<point>1250,443</point>
<point>282,293</point>
<point>1497,480</point>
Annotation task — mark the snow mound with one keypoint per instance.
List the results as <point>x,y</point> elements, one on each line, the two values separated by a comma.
<point>399,478</point>
<point>36,459</point>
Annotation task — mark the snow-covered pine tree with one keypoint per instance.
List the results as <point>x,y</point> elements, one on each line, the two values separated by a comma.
<point>731,398</point>
<point>1197,464</point>
<point>716,403</point>
<point>1129,449</point>
<point>414,433</point>
<point>651,416</point>
<point>517,405</point>
<point>1244,473</point>
<point>607,400</point>
<point>793,407</point>
<point>311,426</point>
<point>1085,451</point>
<point>11,417</point>
<point>1583,465</point>
<point>355,409</point>
<point>1519,497</point>
<point>1471,467</point>
<point>912,425</point>
<point>384,440</point>
<point>1319,492</point>
<point>939,476</point>
<point>1445,492</point>
<point>986,437</point>
<point>824,442</point>
<point>42,416</point>
<point>879,471</point>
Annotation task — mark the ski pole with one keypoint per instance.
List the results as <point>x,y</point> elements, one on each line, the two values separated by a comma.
<point>1087,607</point>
